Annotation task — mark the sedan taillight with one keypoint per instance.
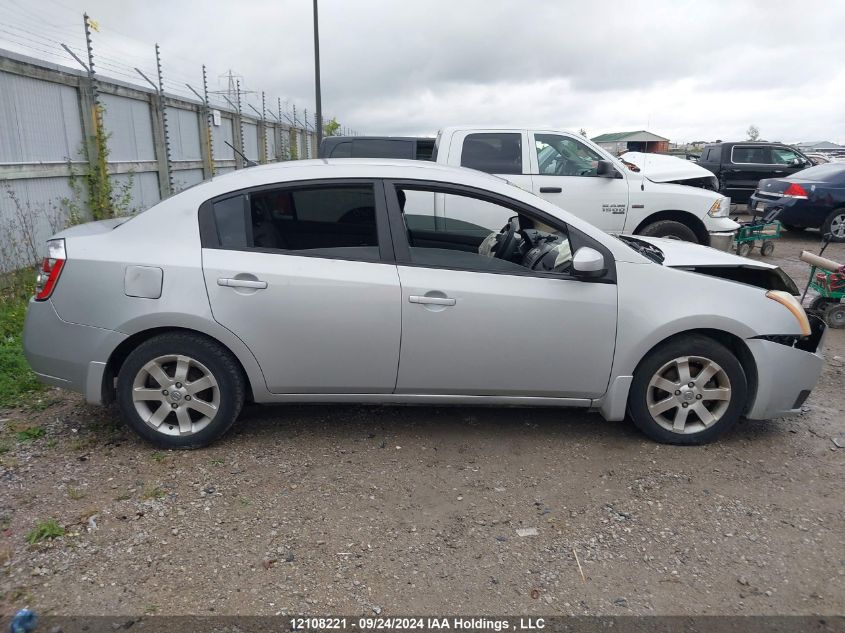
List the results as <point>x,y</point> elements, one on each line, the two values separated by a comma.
<point>795,191</point>
<point>51,268</point>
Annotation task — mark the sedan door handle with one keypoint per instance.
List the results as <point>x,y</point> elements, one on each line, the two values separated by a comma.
<point>550,190</point>
<point>241,283</point>
<point>437,301</point>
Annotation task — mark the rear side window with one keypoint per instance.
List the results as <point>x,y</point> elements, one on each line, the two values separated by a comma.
<point>751,155</point>
<point>495,153</point>
<point>329,221</point>
<point>382,148</point>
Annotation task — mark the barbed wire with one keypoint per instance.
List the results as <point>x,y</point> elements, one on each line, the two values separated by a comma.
<point>117,55</point>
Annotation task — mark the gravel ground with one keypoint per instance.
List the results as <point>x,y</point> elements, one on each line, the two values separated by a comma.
<point>399,510</point>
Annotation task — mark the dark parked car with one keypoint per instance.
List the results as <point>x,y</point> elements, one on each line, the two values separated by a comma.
<point>811,198</point>
<point>740,166</point>
<point>408,147</point>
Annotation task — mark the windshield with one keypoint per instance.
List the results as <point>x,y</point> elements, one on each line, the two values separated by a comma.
<point>643,248</point>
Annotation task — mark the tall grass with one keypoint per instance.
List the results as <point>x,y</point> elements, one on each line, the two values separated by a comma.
<point>16,378</point>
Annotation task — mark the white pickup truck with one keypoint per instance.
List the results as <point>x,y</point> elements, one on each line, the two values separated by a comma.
<point>575,174</point>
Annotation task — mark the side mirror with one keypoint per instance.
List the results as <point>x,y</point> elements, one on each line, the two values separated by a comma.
<point>605,169</point>
<point>588,263</point>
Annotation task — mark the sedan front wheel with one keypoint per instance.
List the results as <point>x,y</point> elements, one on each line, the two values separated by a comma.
<point>180,390</point>
<point>688,391</point>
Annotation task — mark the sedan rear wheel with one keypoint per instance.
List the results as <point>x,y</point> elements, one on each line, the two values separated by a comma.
<point>180,390</point>
<point>688,391</point>
<point>834,225</point>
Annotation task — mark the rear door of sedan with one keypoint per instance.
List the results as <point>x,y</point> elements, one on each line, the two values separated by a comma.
<point>303,273</point>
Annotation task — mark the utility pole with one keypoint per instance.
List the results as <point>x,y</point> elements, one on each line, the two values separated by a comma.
<point>319,115</point>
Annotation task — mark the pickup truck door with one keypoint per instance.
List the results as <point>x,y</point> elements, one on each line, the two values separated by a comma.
<point>743,169</point>
<point>564,172</point>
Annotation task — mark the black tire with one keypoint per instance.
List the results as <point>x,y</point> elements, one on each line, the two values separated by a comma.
<point>838,217</point>
<point>834,316</point>
<point>792,227</point>
<point>767,248</point>
<point>697,346</point>
<point>744,249</point>
<point>205,353</point>
<point>670,229</point>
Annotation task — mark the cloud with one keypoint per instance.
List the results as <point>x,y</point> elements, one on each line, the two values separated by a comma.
<point>685,69</point>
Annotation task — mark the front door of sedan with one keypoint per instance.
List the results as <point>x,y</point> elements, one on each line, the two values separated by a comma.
<point>565,172</point>
<point>476,324</point>
<point>301,273</point>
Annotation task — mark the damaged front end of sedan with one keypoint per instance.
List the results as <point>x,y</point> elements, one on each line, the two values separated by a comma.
<point>778,285</point>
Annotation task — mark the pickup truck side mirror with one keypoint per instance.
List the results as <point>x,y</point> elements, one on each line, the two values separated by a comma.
<point>588,263</point>
<point>605,169</point>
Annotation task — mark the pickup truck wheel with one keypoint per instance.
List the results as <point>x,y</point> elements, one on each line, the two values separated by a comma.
<point>670,229</point>
<point>180,390</point>
<point>688,391</point>
<point>834,225</point>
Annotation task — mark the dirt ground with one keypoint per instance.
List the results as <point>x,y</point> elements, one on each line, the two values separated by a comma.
<point>400,510</point>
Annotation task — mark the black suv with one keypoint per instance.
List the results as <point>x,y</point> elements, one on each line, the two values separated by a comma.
<point>740,166</point>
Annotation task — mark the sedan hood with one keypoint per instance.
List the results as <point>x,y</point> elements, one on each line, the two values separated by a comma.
<point>663,168</point>
<point>704,260</point>
<point>680,254</point>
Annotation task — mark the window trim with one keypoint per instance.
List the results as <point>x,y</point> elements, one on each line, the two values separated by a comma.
<point>208,223</point>
<point>402,252</point>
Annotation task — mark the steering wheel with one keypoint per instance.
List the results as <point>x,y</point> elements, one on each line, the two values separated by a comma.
<point>507,238</point>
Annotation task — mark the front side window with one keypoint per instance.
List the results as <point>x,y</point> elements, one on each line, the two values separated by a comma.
<point>564,156</point>
<point>495,153</point>
<point>785,156</point>
<point>330,221</point>
<point>461,231</point>
<point>750,155</point>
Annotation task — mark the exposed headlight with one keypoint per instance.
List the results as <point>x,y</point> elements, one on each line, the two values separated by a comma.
<point>792,304</point>
<point>721,208</point>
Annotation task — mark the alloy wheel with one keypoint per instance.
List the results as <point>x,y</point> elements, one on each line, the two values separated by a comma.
<point>837,226</point>
<point>688,394</point>
<point>176,395</point>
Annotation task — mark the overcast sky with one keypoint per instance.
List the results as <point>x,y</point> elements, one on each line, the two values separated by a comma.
<point>687,70</point>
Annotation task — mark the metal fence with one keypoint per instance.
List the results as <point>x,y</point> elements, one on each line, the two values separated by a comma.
<point>162,143</point>
<point>157,142</point>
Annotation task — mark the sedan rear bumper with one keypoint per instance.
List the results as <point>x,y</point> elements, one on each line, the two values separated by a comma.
<point>65,354</point>
<point>785,378</point>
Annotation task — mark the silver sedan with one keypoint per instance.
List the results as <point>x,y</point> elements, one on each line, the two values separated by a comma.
<point>408,282</point>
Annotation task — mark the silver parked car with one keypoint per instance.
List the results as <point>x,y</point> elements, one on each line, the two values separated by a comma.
<point>408,282</point>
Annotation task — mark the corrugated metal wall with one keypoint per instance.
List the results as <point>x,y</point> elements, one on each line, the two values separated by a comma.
<point>39,121</point>
<point>42,142</point>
